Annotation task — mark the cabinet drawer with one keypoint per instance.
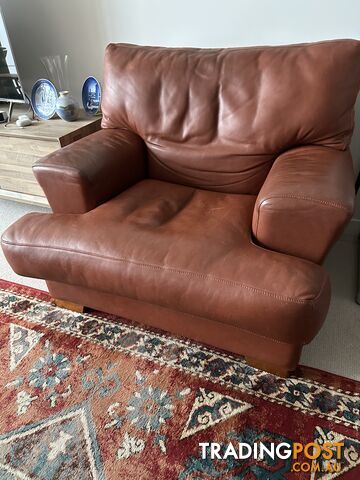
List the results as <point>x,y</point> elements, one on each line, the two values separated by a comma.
<point>17,156</point>
<point>24,146</point>
<point>17,172</point>
<point>21,148</point>
<point>20,185</point>
<point>14,159</point>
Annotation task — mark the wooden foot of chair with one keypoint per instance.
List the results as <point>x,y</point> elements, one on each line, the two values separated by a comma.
<point>268,367</point>
<point>69,305</point>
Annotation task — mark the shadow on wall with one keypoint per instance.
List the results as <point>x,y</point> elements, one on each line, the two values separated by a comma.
<point>41,27</point>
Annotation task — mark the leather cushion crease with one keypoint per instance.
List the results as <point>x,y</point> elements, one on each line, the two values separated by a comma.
<point>149,245</point>
<point>208,201</point>
<point>218,118</point>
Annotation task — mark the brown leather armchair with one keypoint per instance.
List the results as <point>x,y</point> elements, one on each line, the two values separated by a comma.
<point>210,197</point>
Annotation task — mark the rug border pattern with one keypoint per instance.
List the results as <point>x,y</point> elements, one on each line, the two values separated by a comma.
<point>235,364</point>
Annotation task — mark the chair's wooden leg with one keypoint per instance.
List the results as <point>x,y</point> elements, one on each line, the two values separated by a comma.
<point>268,367</point>
<point>69,305</point>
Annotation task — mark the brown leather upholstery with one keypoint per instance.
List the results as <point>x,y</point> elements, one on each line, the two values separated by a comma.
<point>205,330</point>
<point>86,181</point>
<point>219,181</point>
<point>305,202</point>
<point>178,272</point>
<point>218,118</point>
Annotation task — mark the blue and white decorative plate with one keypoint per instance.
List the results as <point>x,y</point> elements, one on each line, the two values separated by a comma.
<point>43,99</point>
<point>91,96</point>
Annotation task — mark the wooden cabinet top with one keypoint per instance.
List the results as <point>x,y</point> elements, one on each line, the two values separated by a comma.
<point>21,147</point>
<point>52,130</point>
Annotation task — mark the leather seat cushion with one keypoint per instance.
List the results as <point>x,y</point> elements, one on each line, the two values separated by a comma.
<point>179,247</point>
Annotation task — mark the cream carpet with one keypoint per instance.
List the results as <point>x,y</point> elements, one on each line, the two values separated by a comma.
<point>336,348</point>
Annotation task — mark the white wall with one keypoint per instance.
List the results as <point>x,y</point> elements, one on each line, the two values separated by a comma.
<point>82,28</point>
<point>230,22</point>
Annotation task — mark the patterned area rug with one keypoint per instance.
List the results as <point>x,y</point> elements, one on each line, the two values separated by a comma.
<point>92,396</point>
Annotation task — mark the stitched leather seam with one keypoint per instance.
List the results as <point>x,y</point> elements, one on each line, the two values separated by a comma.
<point>310,199</point>
<point>167,335</point>
<point>218,321</point>
<point>297,197</point>
<point>210,318</point>
<point>226,321</point>
<point>174,270</point>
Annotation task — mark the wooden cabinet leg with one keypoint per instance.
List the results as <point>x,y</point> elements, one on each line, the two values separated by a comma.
<point>69,305</point>
<point>268,367</point>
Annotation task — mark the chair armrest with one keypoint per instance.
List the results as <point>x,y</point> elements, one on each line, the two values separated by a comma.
<point>305,202</point>
<point>81,176</point>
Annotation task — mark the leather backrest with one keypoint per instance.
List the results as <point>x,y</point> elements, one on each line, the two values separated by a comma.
<point>217,118</point>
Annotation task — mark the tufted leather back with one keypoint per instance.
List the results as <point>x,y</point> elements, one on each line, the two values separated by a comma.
<point>217,118</point>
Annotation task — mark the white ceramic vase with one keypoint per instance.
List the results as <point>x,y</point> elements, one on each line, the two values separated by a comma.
<point>67,107</point>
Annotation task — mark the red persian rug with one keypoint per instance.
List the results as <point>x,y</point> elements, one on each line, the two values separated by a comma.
<point>93,396</point>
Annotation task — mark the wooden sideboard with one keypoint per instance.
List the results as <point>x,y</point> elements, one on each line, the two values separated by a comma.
<point>21,147</point>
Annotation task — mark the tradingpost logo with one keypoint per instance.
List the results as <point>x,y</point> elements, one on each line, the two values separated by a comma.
<point>308,457</point>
